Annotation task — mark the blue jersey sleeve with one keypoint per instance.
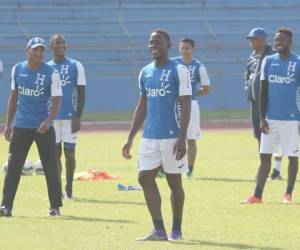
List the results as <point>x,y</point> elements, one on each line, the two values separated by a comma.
<point>142,84</point>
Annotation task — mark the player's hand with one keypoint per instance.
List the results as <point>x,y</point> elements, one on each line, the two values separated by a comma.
<point>7,133</point>
<point>76,123</point>
<point>126,150</point>
<point>264,126</point>
<point>179,149</point>
<point>44,127</point>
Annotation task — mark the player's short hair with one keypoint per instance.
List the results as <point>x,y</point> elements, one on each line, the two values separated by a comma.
<point>162,32</point>
<point>188,40</point>
<point>54,36</point>
<point>285,31</point>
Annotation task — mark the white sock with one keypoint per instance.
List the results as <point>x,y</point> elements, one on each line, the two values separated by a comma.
<point>278,165</point>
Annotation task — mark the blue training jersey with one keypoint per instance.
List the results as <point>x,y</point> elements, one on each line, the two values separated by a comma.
<point>162,86</point>
<point>34,88</point>
<point>198,74</point>
<point>283,76</point>
<point>71,75</point>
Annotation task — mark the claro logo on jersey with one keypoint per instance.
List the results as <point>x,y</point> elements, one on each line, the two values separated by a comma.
<point>39,90</point>
<point>288,79</point>
<point>164,88</point>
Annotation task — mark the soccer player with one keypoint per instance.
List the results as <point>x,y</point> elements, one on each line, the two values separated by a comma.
<point>257,38</point>
<point>200,87</point>
<point>165,103</point>
<point>68,120</point>
<point>33,84</point>
<point>279,113</point>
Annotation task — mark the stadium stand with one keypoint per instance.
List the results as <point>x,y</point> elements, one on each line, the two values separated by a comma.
<point>110,38</point>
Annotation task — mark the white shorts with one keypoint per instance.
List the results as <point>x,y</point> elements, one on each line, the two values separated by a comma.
<point>155,152</point>
<point>282,138</point>
<point>194,131</point>
<point>63,132</point>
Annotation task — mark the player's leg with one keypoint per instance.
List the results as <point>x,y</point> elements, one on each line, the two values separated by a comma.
<point>48,155</point>
<point>69,151</point>
<point>174,169</point>
<point>58,139</point>
<point>19,146</point>
<point>149,165</point>
<point>289,135</point>
<point>276,174</point>
<point>269,144</point>
<point>262,175</point>
<point>255,121</point>
<point>193,134</point>
<point>177,201</point>
<point>70,140</point>
<point>191,152</point>
<point>292,175</point>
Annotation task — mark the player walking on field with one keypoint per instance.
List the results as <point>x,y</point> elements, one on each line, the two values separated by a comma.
<point>68,120</point>
<point>279,113</point>
<point>33,84</point>
<point>200,87</point>
<point>165,103</point>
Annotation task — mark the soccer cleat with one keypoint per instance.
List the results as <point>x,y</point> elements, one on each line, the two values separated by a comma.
<point>175,235</point>
<point>53,212</point>
<point>68,195</point>
<point>156,235</point>
<point>287,199</point>
<point>5,212</point>
<point>252,200</point>
<point>275,175</point>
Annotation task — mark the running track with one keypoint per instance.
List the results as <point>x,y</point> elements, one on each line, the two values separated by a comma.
<point>124,125</point>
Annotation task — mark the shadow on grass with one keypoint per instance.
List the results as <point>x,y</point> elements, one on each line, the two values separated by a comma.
<point>91,219</point>
<point>109,202</point>
<point>223,179</point>
<point>222,245</point>
<point>79,218</point>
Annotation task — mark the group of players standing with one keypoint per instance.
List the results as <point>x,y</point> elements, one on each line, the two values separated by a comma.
<point>273,81</point>
<point>168,102</point>
<point>45,107</point>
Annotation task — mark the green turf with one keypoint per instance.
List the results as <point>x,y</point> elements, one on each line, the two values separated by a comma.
<point>101,217</point>
<point>125,116</point>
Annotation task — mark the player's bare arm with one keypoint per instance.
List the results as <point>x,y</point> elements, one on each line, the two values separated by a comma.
<point>76,121</point>
<point>263,104</point>
<point>180,145</point>
<point>138,120</point>
<point>11,110</point>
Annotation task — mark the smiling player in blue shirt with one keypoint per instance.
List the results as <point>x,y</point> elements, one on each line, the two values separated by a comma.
<point>33,84</point>
<point>200,87</point>
<point>279,113</point>
<point>68,120</point>
<point>164,105</point>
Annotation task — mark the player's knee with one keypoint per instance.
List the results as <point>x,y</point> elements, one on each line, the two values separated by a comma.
<point>191,143</point>
<point>70,156</point>
<point>145,179</point>
<point>175,185</point>
<point>293,160</point>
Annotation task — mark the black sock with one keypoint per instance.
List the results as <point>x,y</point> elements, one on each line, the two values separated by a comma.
<point>191,168</point>
<point>289,189</point>
<point>158,224</point>
<point>258,192</point>
<point>176,224</point>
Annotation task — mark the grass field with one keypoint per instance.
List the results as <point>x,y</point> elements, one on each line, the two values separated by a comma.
<point>101,217</point>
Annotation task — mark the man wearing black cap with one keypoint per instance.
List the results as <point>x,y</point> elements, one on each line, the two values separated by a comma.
<point>33,84</point>
<point>258,42</point>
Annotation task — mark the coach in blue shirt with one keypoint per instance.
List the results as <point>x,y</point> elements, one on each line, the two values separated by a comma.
<point>33,84</point>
